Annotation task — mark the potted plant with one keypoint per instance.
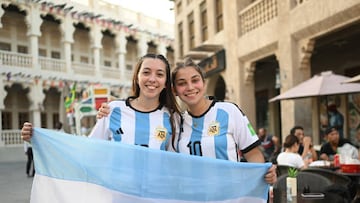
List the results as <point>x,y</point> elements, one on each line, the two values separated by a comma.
<point>291,184</point>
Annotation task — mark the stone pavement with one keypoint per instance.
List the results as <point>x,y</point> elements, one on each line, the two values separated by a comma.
<point>15,186</point>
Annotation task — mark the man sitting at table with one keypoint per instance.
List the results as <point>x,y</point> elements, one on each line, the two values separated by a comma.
<point>306,149</point>
<point>333,145</point>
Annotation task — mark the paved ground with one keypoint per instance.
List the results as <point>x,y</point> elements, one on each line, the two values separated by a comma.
<point>15,186</point>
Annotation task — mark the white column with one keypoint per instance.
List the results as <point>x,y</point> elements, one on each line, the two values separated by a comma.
<point>96,52</point>
<point>36,96</point>
<point>2,106</point>
<point>3,94</point>
<point>67,57</point>
<point>96,36</point>
<point>142,45</point>
<point>33,23</point>
<point>121,51</point>
<point>161,48</point>
<point>67,31</point>
<point>1,14</point>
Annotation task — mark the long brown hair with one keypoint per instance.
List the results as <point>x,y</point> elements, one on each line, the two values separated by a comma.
<point>166,97</point>
<point>188,62</point>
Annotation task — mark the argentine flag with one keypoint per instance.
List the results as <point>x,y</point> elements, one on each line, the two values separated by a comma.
<point>82,170</point>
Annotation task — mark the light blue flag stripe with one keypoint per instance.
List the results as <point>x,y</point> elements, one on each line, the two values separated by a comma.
<point>145,172</point>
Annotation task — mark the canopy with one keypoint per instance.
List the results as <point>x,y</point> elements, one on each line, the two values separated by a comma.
<point>353,79</point>
<point>323,84</point>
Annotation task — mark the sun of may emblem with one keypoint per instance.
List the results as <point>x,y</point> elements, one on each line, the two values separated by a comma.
<point>214,128</point>
<point>160,133</point>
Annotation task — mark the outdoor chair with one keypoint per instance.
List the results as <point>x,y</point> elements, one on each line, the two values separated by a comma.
<point>306,182</point>
<point>335,178</point>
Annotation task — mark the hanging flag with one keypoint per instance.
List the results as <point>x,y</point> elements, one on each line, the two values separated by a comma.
<point>70,98</point>
<point>80,169</point>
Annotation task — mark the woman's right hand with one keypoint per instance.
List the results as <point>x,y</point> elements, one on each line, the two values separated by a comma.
<point>103,111</point>
<point>26,131</point>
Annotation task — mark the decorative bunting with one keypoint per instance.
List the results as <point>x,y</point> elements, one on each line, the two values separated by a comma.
<point>90,17</point>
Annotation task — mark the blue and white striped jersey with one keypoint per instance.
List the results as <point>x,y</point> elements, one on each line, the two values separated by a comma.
<point>128,125</point>
<point>219,133</point>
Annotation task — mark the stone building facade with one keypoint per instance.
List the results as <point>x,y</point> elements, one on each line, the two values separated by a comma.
<point>271,46</point>
<point>48,46</point>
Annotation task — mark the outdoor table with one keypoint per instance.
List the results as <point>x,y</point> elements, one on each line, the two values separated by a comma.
<point>355,177</point>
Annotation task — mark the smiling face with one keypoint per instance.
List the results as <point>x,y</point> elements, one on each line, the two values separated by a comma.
<point>151,78</point>
<point>189,85</point>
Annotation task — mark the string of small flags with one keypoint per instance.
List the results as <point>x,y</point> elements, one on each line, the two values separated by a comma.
<point>90,17</point>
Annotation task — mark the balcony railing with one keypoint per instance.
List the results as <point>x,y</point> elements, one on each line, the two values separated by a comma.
<point>11,138</point>
<point>83,68</point>
<point>50,64</point>
<point>18,60</point>
<point>257,14</point>
<point>15,59</point>
<point>110,72</point>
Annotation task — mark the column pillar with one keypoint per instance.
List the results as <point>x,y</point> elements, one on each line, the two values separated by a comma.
<point>3,94</point>
<point>121,52</point>
<point>161,48</point>
<point>1,14</point>
<point>2,106</point>
<point>96,36</point>
<point>247,88</point>
<point>142,45</point>
<point>67,31</point>
<point>292,72</point>
<point>33,22</point>
<point>36,97</point>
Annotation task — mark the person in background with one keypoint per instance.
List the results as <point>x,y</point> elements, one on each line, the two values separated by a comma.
<point>30,167</point>
<point>210,128</point>
<point>59,126</point>
<point>336,119</point>
<point>306,149</point>
<point>277,149</point>
<point>357,136</point>
<point>267,145</point>
<point>290,156</point>
<point>147,118</point>
<point>334,142</point>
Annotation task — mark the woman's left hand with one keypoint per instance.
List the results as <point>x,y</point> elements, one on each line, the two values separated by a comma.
<point>270,176</point>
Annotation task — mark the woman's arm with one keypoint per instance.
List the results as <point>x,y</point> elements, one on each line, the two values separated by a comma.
<point>256,156</point>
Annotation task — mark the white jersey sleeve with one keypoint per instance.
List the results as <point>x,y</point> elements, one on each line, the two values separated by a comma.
<point>101,128</point>
<point>244,134</point>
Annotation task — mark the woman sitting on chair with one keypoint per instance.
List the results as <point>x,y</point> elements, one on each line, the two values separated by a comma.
<point>290,157</point>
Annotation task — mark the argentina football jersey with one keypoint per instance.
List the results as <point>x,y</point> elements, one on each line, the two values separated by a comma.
<point>127,125</point>
<point>219,133</point>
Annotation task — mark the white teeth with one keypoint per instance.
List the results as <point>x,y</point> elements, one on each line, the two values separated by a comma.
<point>191,94</point>
<point>151,87</point>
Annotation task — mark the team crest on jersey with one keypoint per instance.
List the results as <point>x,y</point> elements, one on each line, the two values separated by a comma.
<point>160,133</point>
<point>214,128</point>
